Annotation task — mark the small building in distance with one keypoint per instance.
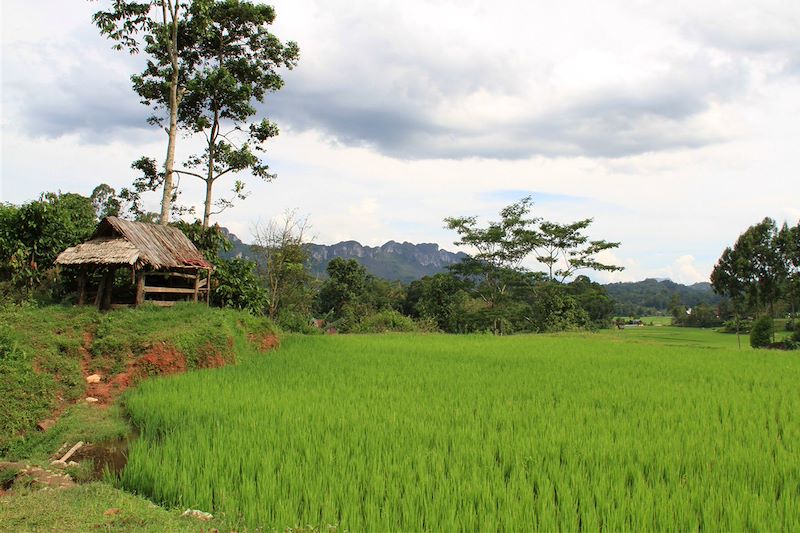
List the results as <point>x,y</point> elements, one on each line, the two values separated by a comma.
<point>164,265</point>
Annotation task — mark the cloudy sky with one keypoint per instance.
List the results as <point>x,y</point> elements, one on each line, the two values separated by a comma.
<point>674,124</point>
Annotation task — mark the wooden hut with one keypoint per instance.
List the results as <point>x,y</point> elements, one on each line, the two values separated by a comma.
<point>164,265</point>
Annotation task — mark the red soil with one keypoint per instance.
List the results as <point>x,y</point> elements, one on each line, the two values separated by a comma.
<point>265,342</point>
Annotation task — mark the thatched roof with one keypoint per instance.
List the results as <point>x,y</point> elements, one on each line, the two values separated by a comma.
<point>122,242</point>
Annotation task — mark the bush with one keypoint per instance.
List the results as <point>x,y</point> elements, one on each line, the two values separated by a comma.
<point>384,321</point>
<point>729,326</point>
<point>238,286</point>
<point>761,333</point>
<point>296,322</point>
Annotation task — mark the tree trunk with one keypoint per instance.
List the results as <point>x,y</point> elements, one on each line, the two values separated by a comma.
<point>207,205</point>
<point>169,163</point>
<point>212,146</point>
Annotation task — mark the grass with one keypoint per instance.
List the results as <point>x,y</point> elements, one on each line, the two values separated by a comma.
<point>42,351</point>
<point>675,430</point>
<point>42,354</point>
<point>84,508</point>
<point>82,422</point>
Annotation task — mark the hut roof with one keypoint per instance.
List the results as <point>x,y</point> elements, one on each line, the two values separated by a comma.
<point>122,242</point>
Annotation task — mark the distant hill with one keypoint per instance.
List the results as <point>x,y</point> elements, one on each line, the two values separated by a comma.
<point>406,262</point>
<point>393,261</point>
<point>652,296</point>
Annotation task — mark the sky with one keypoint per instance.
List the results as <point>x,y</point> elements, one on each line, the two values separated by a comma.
<point>674,125</point>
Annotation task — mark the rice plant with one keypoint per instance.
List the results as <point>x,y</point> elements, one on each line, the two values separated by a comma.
<point>445,433</point>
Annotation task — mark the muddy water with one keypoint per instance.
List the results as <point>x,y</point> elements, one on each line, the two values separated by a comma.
<point>111,455</point>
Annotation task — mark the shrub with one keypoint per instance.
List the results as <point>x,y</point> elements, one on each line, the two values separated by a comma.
<point>383,321</point>
<point>238,286</point>
<point>296,322</point>
<point>761,333</point>
<point>729,326</point>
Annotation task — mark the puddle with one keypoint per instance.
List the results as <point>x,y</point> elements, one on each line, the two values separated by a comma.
<point>111,455</point>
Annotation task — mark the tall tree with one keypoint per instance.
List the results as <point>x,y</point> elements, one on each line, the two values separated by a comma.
<point>789,246</point>
<point>564,249</point>
<point>237,63</point>
<point>501,245</point>
<point>283,251</point>
<point>154,24</point>
<point>752,272</point>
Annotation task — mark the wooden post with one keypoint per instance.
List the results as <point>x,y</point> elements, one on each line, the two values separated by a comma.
<point>82,287</point>
<point>98,298</point>
<point>196,284</point>
<point>208,288</point>
<point>109,286</point>
<point>139,288</point>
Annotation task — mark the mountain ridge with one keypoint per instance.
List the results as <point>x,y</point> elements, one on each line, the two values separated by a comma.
<point>406,262</point>
<point>393,260</point>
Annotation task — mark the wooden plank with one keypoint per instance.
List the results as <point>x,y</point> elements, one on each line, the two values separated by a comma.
<point>171,274</point>
<point>168,290</point>
<point>196,286</point>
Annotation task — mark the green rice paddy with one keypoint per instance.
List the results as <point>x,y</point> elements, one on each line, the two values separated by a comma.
<point>615,431</point>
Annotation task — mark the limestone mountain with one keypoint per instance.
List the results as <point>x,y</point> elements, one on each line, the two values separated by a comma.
<point>393,261</point>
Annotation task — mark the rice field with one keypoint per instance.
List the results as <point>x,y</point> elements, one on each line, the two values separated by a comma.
<point>576,432</point>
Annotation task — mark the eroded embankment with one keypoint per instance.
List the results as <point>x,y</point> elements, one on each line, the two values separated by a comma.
<point>62,371</point>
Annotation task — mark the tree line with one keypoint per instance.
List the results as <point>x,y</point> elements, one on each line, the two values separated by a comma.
<point>760,275</point>
<point>490,291</point>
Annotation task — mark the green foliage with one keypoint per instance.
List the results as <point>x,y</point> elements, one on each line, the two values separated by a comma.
<point>657,297</point>
<point>494,273</point>
<point>440,298</point>
<point>732,326</point>
<point>385,321</point>
<point>701,316</point>
<point>552,308</point>
<point>33,234</point>
<point>761,332</point>
<point>238,286</point>
<point>480,433</point>
<point>295,322</point>
<point>228,60</point>
<point>761,266</point>
<point>564,249</point>
<point>105,201</point>
<point>594,300</point>
<point>282,254</point>
<point>211,241</point>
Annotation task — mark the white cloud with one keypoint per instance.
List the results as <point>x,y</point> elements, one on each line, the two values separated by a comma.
<point>675,138</point>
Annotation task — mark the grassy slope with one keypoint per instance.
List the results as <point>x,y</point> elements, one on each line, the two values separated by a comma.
<point>42,353</point>
<point>84,508</point>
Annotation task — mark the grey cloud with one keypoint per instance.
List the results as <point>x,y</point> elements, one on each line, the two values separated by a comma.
<point>616,122</point>
<point>51,93</point>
